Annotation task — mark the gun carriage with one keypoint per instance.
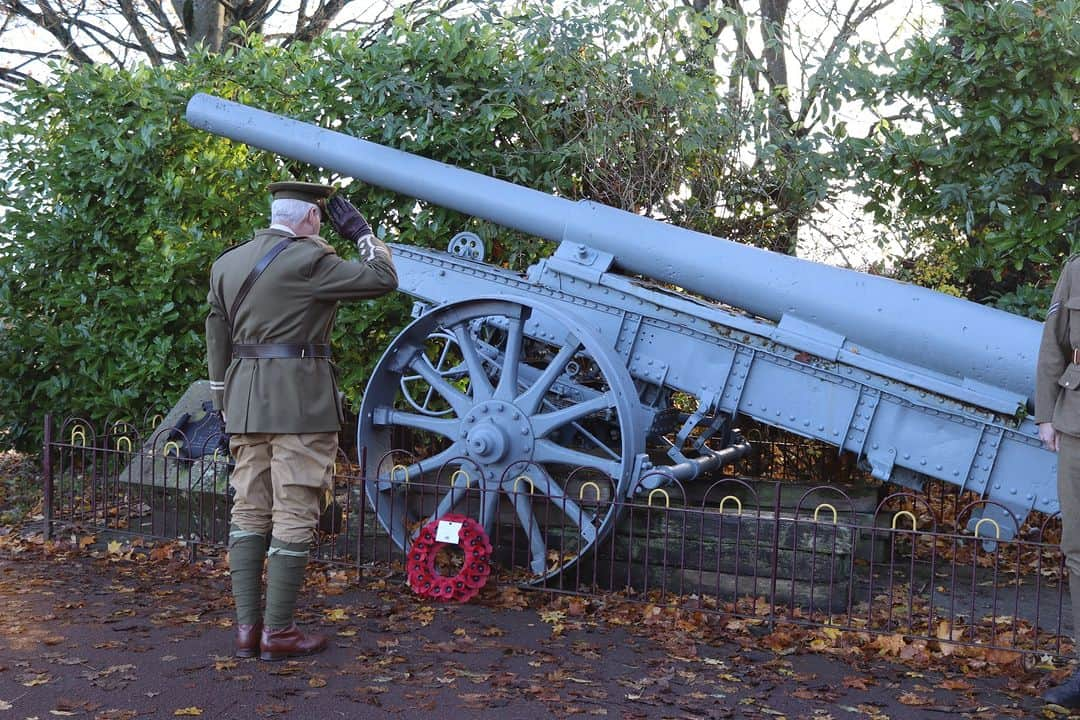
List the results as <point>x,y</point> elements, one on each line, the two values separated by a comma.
<point>566,377</point>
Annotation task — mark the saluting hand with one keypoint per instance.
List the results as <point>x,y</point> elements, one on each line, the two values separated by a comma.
<point>351,225</point>
<point>346,219</point>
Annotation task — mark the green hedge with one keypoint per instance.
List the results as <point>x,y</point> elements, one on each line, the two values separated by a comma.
<point>116,207</point>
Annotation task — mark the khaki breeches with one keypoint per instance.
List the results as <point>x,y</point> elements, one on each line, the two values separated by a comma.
<point>1068,478</point>
<point>280,482</point>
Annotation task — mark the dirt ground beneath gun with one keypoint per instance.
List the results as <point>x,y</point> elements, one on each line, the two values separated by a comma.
<point>96,628</point>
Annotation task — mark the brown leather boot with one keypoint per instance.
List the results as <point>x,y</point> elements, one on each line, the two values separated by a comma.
<point>247,640</point>
<point>289,642</point>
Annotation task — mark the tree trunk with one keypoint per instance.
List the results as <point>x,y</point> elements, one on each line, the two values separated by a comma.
<point>204,22</point>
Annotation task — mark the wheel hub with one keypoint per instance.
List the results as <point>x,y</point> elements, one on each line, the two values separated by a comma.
<point>486,442</point>
<point>496,430</point>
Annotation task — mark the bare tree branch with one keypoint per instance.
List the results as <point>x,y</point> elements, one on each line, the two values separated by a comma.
<point>310,27</point>
<point>132,17</point>
<point>50,21</point>
<point>166,26</point>
<point>124,32</point>
<point>104,38</point>
<point>255,13</point>
<point>852,21</point>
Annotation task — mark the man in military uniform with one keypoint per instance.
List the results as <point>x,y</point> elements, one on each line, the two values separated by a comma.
<point>272,302</point>
<point>1057,412</point>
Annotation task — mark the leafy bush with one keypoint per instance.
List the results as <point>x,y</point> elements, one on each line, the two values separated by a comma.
<point>980,161</point>
<point>116,207</point>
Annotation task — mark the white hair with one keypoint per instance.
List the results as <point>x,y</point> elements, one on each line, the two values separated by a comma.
<point>289,211</point>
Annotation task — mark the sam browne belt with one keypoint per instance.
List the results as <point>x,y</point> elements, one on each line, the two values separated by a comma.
<point>281,351</point>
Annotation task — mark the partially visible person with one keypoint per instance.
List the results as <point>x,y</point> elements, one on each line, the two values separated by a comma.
<point>1057,413</point>
<point>273,300</point>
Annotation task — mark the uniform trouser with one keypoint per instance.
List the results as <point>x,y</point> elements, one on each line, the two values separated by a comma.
<point>280,481</point>
<point>1069,500</point>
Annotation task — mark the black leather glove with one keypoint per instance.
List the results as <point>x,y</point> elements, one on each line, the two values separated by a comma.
<point>351,225</point>
<point>346,219</point>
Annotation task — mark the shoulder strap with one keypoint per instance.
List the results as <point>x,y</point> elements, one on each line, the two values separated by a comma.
<point>256,271</point>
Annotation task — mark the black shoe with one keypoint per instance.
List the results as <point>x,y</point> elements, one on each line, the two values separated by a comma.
<point>1067,694</point>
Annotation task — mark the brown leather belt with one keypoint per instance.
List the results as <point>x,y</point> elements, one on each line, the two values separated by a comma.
<point>281,351</point>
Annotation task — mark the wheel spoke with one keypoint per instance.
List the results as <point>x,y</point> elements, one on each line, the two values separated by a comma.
<point>508,378</point>
<point>420,468</point>
<point>422,404</point>
<point>537,546</point>
<point>597,443</point>
<point>547,485</point>
<point>489,508</point>
<point>544,424</point>
<point>530,399</point>
<point>457,399</point>
<point>479,383</point>
<point>439,426</point>
<point>549,452</point>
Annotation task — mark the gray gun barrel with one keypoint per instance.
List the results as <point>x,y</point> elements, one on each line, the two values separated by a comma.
<point>926,328</point>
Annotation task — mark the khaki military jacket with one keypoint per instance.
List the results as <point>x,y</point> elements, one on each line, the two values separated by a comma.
<point>295,300</point>
<point>1057,380</point>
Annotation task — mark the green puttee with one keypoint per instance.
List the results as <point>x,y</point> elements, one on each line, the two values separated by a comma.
<point>247,551</point>
<point>284,576</point>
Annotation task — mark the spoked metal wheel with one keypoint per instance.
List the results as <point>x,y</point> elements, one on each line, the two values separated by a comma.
<point>508,411</point>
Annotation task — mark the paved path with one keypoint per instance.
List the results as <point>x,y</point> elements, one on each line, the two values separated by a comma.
<point>150,637</point>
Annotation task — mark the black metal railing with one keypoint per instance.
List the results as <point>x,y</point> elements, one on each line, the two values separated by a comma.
<point>842,554</point>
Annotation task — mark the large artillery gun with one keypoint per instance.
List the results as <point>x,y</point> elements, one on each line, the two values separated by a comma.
<point>636,335</point>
